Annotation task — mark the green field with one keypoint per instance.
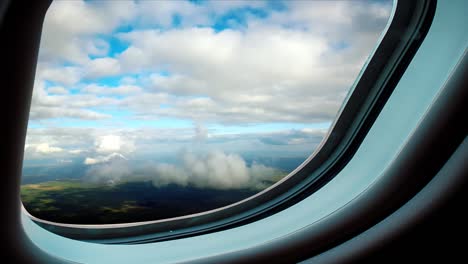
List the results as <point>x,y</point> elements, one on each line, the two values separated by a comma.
<point>74,201</point>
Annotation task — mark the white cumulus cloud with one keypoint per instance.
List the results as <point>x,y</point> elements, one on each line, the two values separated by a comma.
<point>102,159</point>
<point>216,170</point>
<point>46,149</point>
<point>110,145</point>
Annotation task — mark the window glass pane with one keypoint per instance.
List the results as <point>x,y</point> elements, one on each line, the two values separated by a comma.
<point>154,109</point>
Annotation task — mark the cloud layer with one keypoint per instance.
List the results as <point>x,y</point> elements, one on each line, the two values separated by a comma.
<point>227,81</point>
<point>215,170</point>
<point>229,62</point>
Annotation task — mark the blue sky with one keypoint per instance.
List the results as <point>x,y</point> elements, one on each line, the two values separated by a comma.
<point>151,78</point>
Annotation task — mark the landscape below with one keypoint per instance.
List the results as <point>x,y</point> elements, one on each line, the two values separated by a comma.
<point>77,202</point>
<point>66,194</point>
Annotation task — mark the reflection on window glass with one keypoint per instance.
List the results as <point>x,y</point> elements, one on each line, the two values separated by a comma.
<point>154,109</point>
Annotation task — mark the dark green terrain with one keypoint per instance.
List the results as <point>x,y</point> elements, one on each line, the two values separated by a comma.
<point>77,202</point>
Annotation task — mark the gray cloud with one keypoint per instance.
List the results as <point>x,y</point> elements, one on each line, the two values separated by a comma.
<point>201,133</point>
<point>39,112</point>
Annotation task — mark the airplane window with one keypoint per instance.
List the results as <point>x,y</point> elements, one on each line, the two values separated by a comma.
<point>156,109</point>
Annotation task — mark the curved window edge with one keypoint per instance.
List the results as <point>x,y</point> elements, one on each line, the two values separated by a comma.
<point>409,174</point>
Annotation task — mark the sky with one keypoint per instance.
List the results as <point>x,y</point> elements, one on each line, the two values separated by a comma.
<point>150,80</point>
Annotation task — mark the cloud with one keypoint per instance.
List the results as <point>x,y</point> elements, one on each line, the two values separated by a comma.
<point>102,67</point>
<point>201,133</point>
<point>57,90</point>
<point>68,75</point>
<point>45,148</point>
<point>283,68</point>
<point>290,64</point>
<point>111,171</point>
<point>94,144</point>
<point>146,78</point>
<point>68,37</point>
<point>79,143</point>
<point>107,90</point>
<point>113,143</point>
<point>76,151</point>
<point>46,104</point>
<point>161,13</point>
<point>102,159</point>
<point>39,112</point>
<point>215,170</point>
<point>127,80</point>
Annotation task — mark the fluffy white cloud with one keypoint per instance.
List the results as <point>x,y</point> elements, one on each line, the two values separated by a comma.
<point>45,148</point>
<point>42,148</point>
<point>102,159</point>
<point>70,28</point>
<point>113,143</point>
<point>111,170</point>
<point>216,170</point>
<point>68,75</point>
